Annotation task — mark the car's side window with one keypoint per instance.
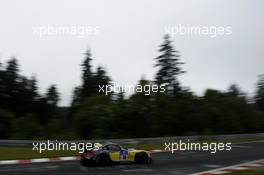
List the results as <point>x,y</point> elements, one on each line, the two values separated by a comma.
<point>113,148</point>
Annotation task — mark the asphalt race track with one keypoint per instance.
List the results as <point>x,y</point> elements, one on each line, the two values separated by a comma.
<point>163,163</point>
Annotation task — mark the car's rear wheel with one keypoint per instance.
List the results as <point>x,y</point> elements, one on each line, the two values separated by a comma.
<point>143,158</point>
<point>103,160</point>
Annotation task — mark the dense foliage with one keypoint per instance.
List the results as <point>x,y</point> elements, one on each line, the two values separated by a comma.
<point>27,114</point>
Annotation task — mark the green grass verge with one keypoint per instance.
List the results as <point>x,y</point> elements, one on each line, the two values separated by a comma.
<point>14,153</point>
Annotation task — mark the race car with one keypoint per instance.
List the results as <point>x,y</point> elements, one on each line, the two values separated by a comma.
<point>111,153</point>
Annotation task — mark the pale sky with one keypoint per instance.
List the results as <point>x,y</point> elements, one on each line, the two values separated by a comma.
<point>129,33</point>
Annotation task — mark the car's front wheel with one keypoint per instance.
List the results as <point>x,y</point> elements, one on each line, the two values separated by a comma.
<point>143,158</point>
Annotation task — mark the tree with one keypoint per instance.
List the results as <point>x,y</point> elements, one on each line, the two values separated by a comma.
<point>6,119</point>
<point>27,127</point>
<point>28,92</point>
<point>101,79</point>
<point>33,88</point>
<point>93,118</point>
<point>76,98</point>
<point>168,63</point>
<point>52,96</point>
<point>136,122</point>
<point>12,70</point>
<point>90,82</point>
<point>234,90</point>
<point>10,79</point>
<point>259,96</point>
<point>88,86</point>
<point>2,85</point>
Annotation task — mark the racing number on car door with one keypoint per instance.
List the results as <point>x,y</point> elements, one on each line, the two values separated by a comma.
<point>123,155</point>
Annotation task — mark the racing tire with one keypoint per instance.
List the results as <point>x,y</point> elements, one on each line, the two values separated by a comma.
<point>143,158</point>
<point>103,160</point>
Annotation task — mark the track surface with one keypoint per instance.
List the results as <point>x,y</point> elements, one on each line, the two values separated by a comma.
<point>163,163</point>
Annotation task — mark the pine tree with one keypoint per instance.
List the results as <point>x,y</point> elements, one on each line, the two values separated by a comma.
<point>168,63</point>
<point>11,88</point>
<point>12,70</point>
<point>101,79</point>
<point>88,86</point>
<point>33,88</point>
<point>234,90</point>
<point>2,85</point>
<point>259,97</point>
<point>76,98</point>
<point>52,96</point>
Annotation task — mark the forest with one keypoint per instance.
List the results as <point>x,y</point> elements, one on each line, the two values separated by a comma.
<point>25,113</point>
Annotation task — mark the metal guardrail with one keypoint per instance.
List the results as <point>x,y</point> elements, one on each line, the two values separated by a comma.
<point>25,143</point>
